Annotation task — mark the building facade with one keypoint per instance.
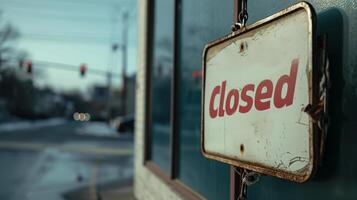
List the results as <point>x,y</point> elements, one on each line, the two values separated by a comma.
<point>168,159</point>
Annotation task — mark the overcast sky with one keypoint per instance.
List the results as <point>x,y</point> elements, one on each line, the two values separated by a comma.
<point>73,32</point>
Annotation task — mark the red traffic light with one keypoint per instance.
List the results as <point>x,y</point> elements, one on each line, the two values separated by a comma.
<point>29,67</point>
<point>83,69</point>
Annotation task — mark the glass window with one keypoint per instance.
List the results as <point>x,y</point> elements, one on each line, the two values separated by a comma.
<point>161,78</point>
<point>200,22</point>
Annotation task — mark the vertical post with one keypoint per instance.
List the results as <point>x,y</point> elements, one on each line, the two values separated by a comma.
<point>236,10</point>
<point>174,90</point>
<point>148,68</point>
<point>124,59</point>
<point>109,95</point>
<point>235,182</point>
<point>0,60</point>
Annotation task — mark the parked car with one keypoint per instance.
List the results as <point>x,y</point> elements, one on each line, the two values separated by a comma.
<point>123,124</point>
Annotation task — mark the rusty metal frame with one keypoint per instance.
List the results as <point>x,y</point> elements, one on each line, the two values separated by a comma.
<point>313,98</point>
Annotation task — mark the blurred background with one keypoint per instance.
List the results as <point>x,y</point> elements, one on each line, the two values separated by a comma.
<point>67,89</point>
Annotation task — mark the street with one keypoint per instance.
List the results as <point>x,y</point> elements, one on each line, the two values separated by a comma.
<point>58,159</point>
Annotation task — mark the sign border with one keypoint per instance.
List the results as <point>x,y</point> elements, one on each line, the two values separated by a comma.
<point>313,98</point>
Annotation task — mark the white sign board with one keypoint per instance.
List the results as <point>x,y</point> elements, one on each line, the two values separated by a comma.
<point>257,82</point>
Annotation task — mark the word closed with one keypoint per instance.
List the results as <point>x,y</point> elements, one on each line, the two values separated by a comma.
<point>261,96</point>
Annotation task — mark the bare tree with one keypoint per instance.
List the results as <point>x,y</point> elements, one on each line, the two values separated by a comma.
<point>8,34</point>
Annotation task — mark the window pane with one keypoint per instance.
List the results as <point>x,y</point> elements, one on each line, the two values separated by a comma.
<point>201,21</point>
<point>161,82</point>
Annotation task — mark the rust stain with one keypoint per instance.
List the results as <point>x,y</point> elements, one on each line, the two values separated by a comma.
<point>242,47</point>
<point>315,112</point>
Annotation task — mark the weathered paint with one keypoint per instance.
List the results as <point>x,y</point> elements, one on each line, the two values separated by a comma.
<point>242,73</point>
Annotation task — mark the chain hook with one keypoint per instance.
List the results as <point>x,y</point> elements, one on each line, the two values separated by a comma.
<point>242,16</point>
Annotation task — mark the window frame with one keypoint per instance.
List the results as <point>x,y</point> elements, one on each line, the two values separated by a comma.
<point>171,179</point>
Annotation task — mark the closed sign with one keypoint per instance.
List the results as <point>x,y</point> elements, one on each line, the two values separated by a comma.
<point>257,83</point>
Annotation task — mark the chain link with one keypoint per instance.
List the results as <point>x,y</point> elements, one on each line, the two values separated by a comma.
<point>324,86</point>
<point>247,178</point>
<point>242,16</point>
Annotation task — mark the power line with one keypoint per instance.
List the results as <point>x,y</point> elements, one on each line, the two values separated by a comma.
<point>72,38</point>
<point>63,2</point>
<point>69,39</point>
<point>54,13</point>
<point>66,37</point>
<point>65,9</point>
<point>60,13</point>
<point>72,18</point>
<point>43,16</point>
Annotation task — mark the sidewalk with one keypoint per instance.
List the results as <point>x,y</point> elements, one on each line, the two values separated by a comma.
<point>124,193</point>
<point>122,190</point>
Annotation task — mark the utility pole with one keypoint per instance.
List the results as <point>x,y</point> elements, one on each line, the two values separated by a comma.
<point>124,47</point>
<point>112,59</point>
<point>0,59</point>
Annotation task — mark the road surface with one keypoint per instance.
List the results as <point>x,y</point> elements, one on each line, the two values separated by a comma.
<point>59,159</point>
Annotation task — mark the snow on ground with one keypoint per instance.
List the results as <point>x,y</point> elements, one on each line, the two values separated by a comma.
<point>22,125</point>
<point>101,129</point>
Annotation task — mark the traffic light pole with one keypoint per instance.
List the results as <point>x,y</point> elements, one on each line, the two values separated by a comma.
<point>124,60</point>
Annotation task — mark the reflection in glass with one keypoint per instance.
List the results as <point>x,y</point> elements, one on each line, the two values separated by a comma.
<point>201,21</point>
<point>161,83</point>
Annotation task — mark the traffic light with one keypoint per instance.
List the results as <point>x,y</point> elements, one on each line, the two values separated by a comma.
<point>83,70</point>
<point>29,67</point>
<point>21,63</point>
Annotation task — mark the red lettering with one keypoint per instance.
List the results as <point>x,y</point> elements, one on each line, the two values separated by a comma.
<point>212,111</point>
<point>246,98</point>
<point>221,102</point>
<point>290,81</point>
<point>232,94</point>
<point>260,95</point>
<point>261,98</point>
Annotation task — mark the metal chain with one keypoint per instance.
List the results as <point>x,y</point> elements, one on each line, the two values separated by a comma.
<point>319,112</point>
<point>247,178</point>
<point>324,85</point>
<point>242,16</point>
